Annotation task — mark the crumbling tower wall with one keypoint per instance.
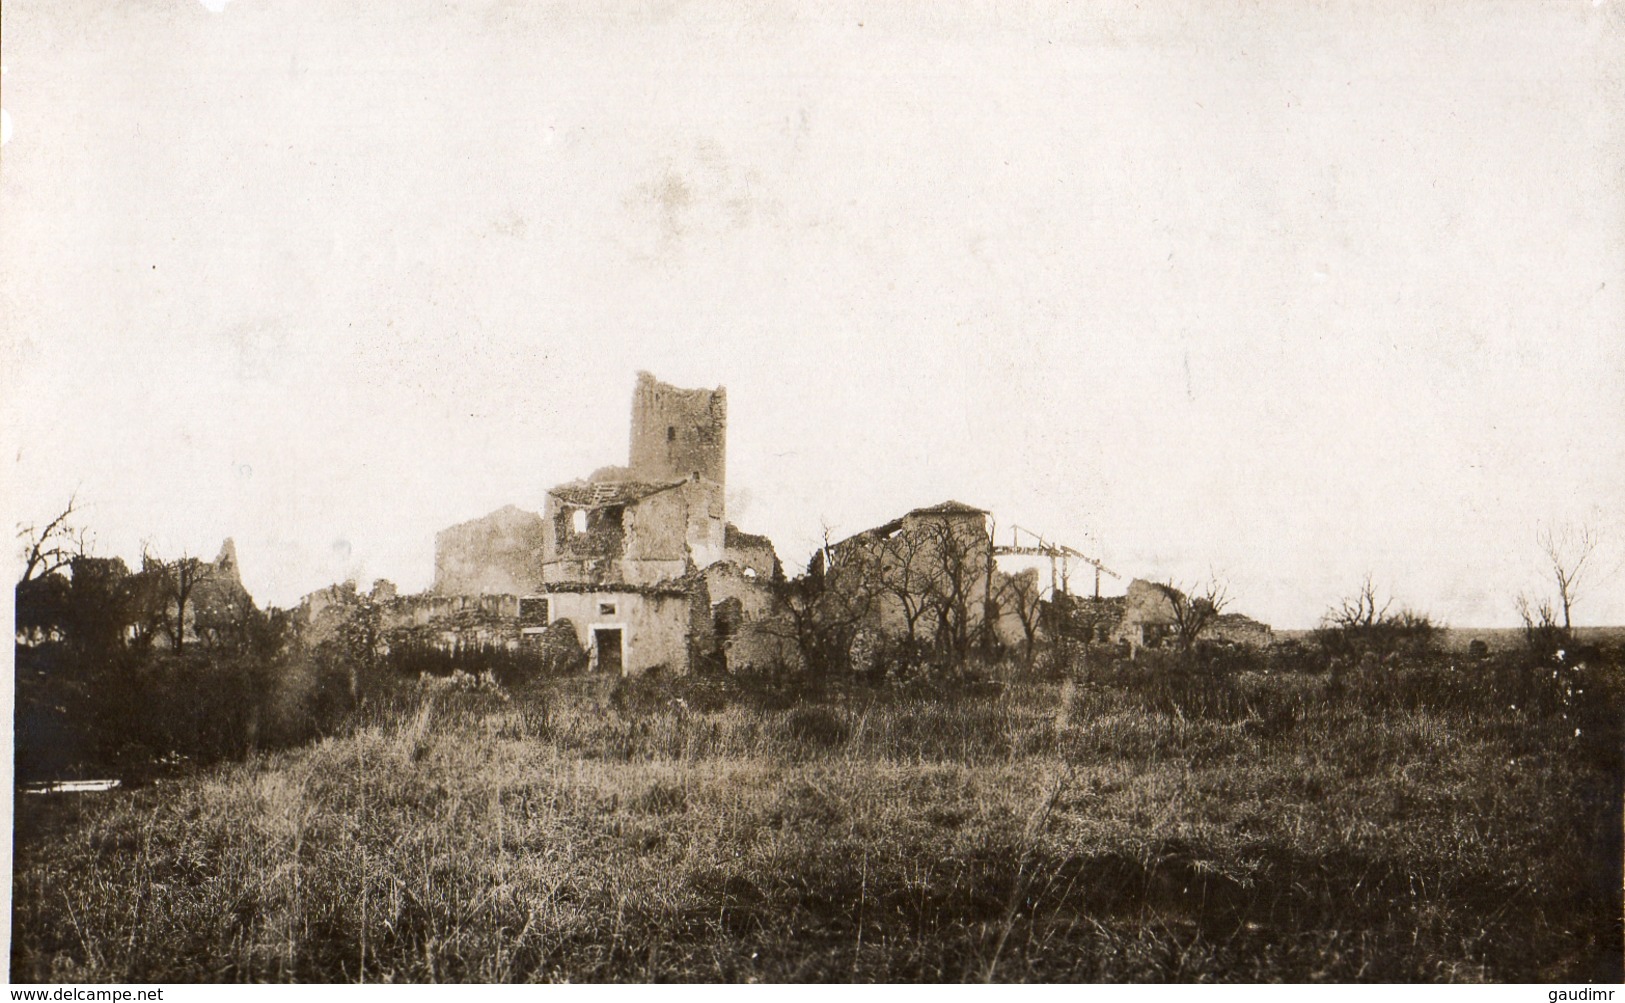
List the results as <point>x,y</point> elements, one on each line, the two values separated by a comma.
<point>678,433</point>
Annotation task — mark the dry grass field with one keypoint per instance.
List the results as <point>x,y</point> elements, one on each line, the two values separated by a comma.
<point>1432,822</point>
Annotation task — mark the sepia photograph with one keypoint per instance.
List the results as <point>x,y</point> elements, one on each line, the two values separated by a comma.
<point>867,492</point>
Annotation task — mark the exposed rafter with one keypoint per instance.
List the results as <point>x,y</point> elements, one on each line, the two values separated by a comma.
<point>1056,552</point>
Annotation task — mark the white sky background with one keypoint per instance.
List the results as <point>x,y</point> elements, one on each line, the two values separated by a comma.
<point>1291,292</point>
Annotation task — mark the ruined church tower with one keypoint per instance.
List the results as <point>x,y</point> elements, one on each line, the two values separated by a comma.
<point>678,433</point>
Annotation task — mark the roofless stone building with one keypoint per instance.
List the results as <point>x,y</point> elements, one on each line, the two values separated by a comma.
<point>625,553</point>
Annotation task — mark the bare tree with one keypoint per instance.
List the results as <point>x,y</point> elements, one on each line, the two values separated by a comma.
<point>51,547</point>
<point>1540,629</point>
<point>1193,612</point>
<point>1020,594</point>
<point>908,574</point>
<point>828,607</point>
<point>1358,612</point>
<point>174,585</point>
<point>1567,549</point>
<point>957,554</point>
<point>1361,623</point>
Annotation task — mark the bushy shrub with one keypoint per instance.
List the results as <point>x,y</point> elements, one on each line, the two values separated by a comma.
<point>1565,695</point>
<point>53,702</point>
<point>1358,625</point>
<point>561,652</point>
<point>1294,656</point>
<point>121,711</point>
<point>1405,633</point>
<point>655,692</point>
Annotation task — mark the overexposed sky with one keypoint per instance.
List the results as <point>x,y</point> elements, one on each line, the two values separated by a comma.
<point>1290,292</point>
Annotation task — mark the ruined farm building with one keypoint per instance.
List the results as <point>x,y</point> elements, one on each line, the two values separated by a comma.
<point>626,554</point>
<point>927,578</point>
<point>924,577</point>
<point>1147,620</point>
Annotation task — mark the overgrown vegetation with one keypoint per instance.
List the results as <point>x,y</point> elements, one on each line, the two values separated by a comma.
<point>1119,820</point>
<point>115,678</point>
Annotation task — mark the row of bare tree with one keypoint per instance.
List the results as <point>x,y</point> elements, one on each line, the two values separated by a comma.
<point>65,593</point>
<point>119,669</point>
<point>1568,552</point>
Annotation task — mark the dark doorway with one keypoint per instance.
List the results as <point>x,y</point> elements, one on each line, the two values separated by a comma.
<point>607,640</point>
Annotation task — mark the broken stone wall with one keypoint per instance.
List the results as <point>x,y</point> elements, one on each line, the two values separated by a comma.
<point>499,553</point>
<point>1007,626</point>
<point>747,550</point>
<point>597,533</point>
<point>582,543</point>
<point>1148,615</point>
<point>705,528</point>
<point>219,603</point>
<point>761,646</point>
<point>320,613</point>
<point>450,622</point>
<point>946,556</point>
<point>657,534</point>
<point>655,624</point>
<point>1234,628</point>
<point>753,593</point>
<point>641,541</point>
<point>1084,619</point>
<point>752,630</point>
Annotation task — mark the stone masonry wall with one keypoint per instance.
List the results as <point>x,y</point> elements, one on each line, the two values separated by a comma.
<point>677,433</point>
<point>499,553</point>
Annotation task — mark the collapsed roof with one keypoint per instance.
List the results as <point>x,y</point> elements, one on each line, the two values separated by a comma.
<point>583,494</point>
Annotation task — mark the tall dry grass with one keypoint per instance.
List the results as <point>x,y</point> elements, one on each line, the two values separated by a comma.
<point>1123,822</point>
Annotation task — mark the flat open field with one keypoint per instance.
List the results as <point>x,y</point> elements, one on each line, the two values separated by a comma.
<point>1438,822</point>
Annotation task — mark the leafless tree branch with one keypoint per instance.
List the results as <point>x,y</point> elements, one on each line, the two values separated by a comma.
<point>53,546</point>
<point>1194,611</point>
<point>1567,549</point>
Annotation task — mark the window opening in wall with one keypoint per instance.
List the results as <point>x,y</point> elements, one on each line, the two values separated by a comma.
<point>578,520</point>
<point>606,609</point>
<point>671,433</point>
